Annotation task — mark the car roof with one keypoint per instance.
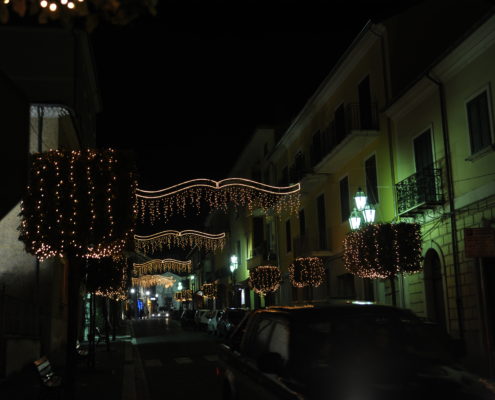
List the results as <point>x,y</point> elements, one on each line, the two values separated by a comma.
<point>336,308</point>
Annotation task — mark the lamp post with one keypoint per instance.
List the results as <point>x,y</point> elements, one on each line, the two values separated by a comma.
<point>363,211</point>
<point>191,286</point>
<point>233,267</point>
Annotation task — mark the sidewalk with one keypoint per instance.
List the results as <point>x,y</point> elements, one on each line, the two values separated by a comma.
<point>112,378</point>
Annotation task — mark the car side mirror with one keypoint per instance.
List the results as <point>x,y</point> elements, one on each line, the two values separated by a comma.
<point>271,363</point>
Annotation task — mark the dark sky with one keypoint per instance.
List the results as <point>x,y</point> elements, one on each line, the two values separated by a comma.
<point>185,90</point>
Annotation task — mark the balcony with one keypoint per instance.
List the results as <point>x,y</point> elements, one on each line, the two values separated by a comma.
<point>419,192</point>
<point>343,137</point>
<point>261,255</point>
<point>306,246</point>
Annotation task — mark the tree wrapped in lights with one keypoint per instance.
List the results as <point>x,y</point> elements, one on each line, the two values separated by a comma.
<point>218,195</point>
<point>190,238</point>
<point>79,202</point>
<point>307,271</point>
<point>160,266</point>
<point>264,279</point>
<point>109,277</point>
<point>69,12</point>
<point>153,280</point>
<point>209,290</point>
<point>183,295</point>
<point>381,251</point>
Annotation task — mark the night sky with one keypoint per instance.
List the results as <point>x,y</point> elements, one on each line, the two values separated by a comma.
<point>185,90</point>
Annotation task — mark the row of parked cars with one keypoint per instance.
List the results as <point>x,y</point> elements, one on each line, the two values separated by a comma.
<point>215,322</point>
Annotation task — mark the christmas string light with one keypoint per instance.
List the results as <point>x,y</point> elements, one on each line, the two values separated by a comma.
<point>82,202</point>
<point>183,295</point>
<point>209,290</point>
<point>218,195</point>
<point>146,281</point>
<point>160,266</point>
<point>264,279</point>
<point>108,277</point>
<point>192,238</point>
<point>381,251</point>
<point>307,271</point>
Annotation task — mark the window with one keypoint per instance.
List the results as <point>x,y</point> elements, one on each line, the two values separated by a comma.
<point>344,199</point>
<point>302,223</point>
<point>279,341</point>
<point>371,180</point>
<point>288,236</point>
<point>322,227</point>
<point>480,130</point>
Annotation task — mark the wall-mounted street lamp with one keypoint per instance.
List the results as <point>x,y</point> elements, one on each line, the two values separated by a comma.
<point>233,263</point>
<point>363,211</point>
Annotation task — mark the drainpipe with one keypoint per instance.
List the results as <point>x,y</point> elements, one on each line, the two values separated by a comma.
<point>386,87</point>
<point>452,214</point>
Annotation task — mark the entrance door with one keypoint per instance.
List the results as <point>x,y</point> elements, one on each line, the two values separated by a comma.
<point>435,301</point>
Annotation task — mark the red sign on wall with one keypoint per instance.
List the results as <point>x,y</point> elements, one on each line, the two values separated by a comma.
<point>479,242</point>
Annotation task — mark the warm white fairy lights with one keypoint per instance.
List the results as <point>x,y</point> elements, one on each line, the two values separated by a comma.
<point>53,5</point>
<point>160,266</point>
<point>380,251</point>
<point>188,238</point>
<point>209,290</point>
<point>265,279</point>
<point>146,281</point>
<point>73,202</point>
<point>307,271</point>
<point>183,295</point>
<point>218,195</point>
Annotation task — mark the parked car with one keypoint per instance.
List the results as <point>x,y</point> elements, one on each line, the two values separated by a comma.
<point>345,351</point>
<point>229,320</point>
<point>187,319</point>
<point>213,318</point>
<point>201,319</point>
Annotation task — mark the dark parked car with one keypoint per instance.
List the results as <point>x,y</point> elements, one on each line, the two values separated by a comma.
<point>229,320</point>
<point>187,319</point>
<point>344,351</point>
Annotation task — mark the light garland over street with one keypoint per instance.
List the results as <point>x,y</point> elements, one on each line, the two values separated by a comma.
<point>160,266</point>
<point>146,281</point>
<point>218,195</point>
<point>191,238</point>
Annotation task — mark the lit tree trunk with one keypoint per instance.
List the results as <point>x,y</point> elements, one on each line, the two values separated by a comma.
<point>73,273</point>
<point>392,288</point>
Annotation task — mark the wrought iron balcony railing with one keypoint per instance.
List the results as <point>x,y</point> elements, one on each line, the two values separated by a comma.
<point>355,119</point>
<point>422,190</point>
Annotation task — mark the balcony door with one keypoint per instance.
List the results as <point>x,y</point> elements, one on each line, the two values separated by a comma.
<point>425,177</point>
<point>365,115</point>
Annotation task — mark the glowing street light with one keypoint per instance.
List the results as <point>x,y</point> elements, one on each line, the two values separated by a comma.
<point>363,212</point>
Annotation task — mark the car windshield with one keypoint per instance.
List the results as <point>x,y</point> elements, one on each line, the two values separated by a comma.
<point>361,337</point>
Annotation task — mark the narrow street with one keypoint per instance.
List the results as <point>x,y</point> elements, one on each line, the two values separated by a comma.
<point>173,362</point>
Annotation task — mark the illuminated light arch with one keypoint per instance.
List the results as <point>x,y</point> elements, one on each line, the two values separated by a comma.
<point>218,195</point>
<point>146,281</point>
<point>152,243</point>
<point>160,266</point>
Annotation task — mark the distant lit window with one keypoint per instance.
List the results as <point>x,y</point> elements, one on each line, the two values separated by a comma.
<point>479,122</point>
